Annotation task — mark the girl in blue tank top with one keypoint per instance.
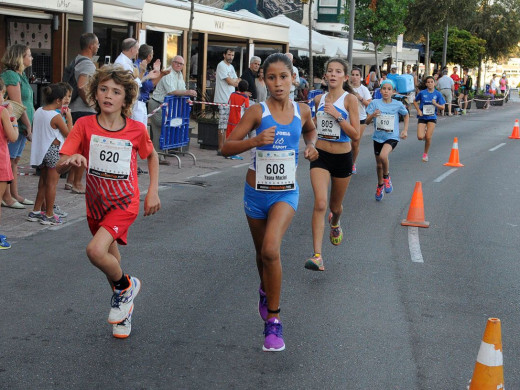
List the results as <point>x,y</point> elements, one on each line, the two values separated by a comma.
<point>337,122</point>
<point>271,191</point>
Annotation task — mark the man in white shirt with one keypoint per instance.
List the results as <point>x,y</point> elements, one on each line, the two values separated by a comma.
<point>446,87</point>
<point>225,83</point>
<point>129,51</point>
<point>171,84</point>
<point>296,79</point>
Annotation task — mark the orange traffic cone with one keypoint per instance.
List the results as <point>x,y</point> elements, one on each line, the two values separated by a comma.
<point>454,155</point>
<point>489,370</point>
<point>516,131</point>
<point>416,211</point>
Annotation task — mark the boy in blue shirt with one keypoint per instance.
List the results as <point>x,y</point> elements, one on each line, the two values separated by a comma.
<point>386,112</point>
<point>429,101</point>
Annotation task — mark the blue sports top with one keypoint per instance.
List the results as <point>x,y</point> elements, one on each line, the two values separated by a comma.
<point>328,120</point>
<point>425,98</point>
<point>389,112</point>
<point>286,137</point>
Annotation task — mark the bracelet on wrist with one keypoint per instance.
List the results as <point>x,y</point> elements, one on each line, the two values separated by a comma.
<point>15,125</point>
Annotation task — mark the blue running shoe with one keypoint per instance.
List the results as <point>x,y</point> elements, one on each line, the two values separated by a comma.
<point>236,157</point>
<point>273,336</point>
<point>3,242</point>
<point>354,170</point>
<point>388,185</point>
<point>379,192</point>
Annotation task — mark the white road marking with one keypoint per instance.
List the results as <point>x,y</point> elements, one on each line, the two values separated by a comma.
<point>209,174</point>
<point>414,244</point>
<point>445,175</point>
<point>496,147</point>
<point>240,165</point>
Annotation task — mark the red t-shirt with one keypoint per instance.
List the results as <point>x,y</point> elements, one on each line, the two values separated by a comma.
<point>235,113</point>
<point>112,165</point>
<point>455,77</point>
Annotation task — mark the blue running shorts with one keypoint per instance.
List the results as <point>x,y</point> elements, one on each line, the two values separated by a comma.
<point>258,203</point>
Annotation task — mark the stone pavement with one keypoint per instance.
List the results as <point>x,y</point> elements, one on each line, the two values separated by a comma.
<point>13,222</point>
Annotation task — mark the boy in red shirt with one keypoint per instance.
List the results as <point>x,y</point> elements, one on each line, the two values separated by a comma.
<point>238,101</point>
<point>107,145</point>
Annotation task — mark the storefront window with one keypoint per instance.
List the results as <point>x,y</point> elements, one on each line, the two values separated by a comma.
<point>172,47</point>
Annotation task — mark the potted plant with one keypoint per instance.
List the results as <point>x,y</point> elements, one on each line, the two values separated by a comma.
<point>471,95</point>
<point>482,99</point>
<point>207,118</point>
<point>498,100</point>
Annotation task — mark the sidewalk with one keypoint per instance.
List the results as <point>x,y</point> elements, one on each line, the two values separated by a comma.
<point>13,222</point>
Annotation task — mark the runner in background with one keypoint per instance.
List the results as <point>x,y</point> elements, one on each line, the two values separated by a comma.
<point>386,136</point>
<point>271,191</point>
<point>337,122</point>
<point>364,98</point>
<point>427,102</point>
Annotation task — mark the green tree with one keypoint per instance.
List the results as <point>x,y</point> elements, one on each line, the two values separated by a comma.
<point>463,47</point>
<point>378,21</point>
<point>426,17</point>
<point>495,21</point>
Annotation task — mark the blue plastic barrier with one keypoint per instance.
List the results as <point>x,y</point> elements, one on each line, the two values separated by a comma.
<point>175,128</point>
<point>312,94</point>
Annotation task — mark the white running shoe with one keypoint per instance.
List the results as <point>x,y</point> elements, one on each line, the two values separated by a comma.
<point>123,301</point>
<point>123,329</point>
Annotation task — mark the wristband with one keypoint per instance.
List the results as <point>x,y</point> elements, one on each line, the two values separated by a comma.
<point>15,125</point>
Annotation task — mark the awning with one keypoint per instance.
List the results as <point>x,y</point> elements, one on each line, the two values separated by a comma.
<point>299,35</point>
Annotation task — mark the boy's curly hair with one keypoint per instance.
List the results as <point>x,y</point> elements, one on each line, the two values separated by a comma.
<point>121,77</point>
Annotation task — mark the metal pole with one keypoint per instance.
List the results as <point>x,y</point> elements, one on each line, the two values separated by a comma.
<point>311,63</point>
<point>351,32</point>
<point>188,52</point>
<point>88,16</point>
<point>445,48</point>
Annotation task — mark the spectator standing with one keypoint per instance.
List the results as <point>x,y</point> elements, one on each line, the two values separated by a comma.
<point>80,106</point>
<point>446,86</point>
<point>503,84</point>
<point>466,85</point>
<point>225,83</point>
<point>261,88</point>
<point>250,75</point>
<point>393,74</point>
<point>144,57</point>
<point>493,85</point>
<point>129,52</point>
<point>15,60</point>
<point>372,78</point>
<point>409,69</point>
<point>296,77</point>
<point>49,135</point>
<point>238,102</point>
<point>456,80</point>
<point>171,84</point>
<point>8,133</point>
<point>194,63</point>
<point>303,89</point>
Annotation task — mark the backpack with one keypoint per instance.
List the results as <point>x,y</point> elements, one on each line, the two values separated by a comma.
<point>70,77</point>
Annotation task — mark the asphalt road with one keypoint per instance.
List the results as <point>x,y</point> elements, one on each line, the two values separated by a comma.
<point>374,319</point>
